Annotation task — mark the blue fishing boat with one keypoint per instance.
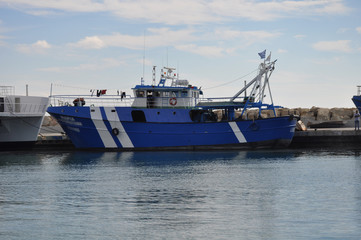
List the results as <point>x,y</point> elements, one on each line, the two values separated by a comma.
<point>357,99</point>
<point>173,115</point>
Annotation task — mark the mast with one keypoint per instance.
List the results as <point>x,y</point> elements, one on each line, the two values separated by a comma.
<point>153,73</point>
<point>142,79</point>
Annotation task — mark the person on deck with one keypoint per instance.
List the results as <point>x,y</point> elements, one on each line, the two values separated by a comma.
<point>357,120</point>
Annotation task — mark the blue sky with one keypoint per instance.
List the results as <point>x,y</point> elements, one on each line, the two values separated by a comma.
<point>100,44</point>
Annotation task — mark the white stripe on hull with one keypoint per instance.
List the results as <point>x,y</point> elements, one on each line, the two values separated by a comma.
<point>237,132</point>
<point>105,135</point>
<point>115,123</point>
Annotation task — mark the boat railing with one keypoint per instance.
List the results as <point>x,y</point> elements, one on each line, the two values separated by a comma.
<point>7,90</point>
<point>223,100</point>
<point>217,99</point>
<point>23,108</point>
<point>86,100</point>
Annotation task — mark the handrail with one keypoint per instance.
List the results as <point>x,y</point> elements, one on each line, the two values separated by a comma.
<point>116,100</point>
<point>106,100</point>
<point>7,90</point>
<point>20,108</point>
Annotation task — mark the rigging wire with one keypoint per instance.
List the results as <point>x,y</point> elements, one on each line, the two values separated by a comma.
<point>235,80</point>
<point>49,129</point>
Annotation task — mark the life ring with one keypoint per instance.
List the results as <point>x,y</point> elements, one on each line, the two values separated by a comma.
<point>173,101</point>
<point>115,131</point>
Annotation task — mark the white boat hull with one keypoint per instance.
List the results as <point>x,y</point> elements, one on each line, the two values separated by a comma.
<point>21,118</point>
<point>19,129</point>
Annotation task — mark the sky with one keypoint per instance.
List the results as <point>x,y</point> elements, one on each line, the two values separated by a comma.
<point>75,46</point>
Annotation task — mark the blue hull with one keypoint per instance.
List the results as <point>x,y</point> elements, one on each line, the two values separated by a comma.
<point>114,128</point>
<point>357,101</point>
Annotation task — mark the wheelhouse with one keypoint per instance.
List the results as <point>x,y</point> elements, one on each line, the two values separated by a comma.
<point>179,94</point>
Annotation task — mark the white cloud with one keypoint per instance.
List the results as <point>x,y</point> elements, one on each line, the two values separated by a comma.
<point>175,12</point>
<point>211,51</point>
<point>258,36</point>
<point>155,38</point>
<point>333,46</point>
<point>300,36</point>
<point>2,43</point>
<point>42,44</point>
<point>93,42</point>
<point>248,36</point>
<point>183,39</point>
<point>39,47</point>
<point>104,63</point>
<point>358,29</point>
<point>342,30</point>
<point>51,6</point>
<point>147,62</point>
<point>327,61</point>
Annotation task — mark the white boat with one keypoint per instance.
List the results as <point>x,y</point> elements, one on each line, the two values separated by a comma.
<point>20,118</point>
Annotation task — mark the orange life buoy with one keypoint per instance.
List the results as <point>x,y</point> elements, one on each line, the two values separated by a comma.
<point>173,101</point>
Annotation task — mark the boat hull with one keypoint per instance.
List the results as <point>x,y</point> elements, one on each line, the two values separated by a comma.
<point>111,128</point>
<point>19,129</point>
<point>20,120</point>
<point>357,101</point>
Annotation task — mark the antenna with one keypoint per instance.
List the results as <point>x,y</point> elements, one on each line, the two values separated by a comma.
<point>142,80</point>
<point>178,69</point>
<point>153,82</point>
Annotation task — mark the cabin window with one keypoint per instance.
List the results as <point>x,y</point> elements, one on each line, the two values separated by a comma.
<point>196,115</point>
<point>203,116</point>
<point>140,93</point>
<point>17,104</point>
<point>184,93</point>
<point>165,94</point>
<point>174,94</point>
<point>2,109</point>
<point>157,94</point>
<point>138,116</point>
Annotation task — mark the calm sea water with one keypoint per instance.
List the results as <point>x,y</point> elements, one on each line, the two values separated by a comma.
<point>284,194</point>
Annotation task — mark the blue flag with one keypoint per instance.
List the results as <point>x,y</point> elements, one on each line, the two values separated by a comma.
<point>262,54</point>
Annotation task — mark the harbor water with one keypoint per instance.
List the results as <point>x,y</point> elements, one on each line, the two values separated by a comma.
<point>278,194</point>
